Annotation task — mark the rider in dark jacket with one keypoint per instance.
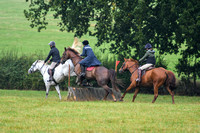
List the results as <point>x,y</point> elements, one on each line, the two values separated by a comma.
<point>150,60</point>
<point>54,52</point>
<point>89,60</point>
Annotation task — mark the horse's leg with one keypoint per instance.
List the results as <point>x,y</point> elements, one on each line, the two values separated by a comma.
<point>47,90</point>
<point>171,93</point>
<point>109,90</point>
<point>156,86</point>
<point>58,90</point>
<point>155,94</point>
<point>135,94</point>
<point>130,87</point>
<point>106,95</point>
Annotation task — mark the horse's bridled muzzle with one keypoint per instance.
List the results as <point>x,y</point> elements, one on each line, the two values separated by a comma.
<point>63,61</point>
<point>121,71</point>
<point>29,71</point>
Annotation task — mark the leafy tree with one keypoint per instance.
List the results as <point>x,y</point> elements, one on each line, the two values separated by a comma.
<point>189,21</point>
<point>126,24</point>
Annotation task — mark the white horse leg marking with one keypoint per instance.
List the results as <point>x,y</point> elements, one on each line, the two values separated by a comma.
<point>58,90</point>
<point>47,90</point>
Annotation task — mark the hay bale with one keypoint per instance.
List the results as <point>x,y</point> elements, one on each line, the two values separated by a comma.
<point>89,94</point>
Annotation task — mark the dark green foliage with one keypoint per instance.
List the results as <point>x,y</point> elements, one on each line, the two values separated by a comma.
<point>160,62</point>
<point>14,73</point>
<point>189,21</point>
<point>127,25</point>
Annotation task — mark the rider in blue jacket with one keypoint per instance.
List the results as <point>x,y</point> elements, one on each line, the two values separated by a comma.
<point>89,60</point>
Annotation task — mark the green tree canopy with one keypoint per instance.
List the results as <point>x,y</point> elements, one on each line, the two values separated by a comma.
<point>126,24</point>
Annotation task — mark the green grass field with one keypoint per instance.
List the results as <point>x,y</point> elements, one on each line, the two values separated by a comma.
<point>29,111</point>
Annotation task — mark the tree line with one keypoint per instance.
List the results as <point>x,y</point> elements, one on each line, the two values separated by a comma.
<point>172,26</point>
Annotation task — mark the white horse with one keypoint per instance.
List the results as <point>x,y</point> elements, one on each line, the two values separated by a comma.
<point>60,72</point>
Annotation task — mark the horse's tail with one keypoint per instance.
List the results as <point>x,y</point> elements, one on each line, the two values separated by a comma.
<point>114,80</point>
<point>172,80</point>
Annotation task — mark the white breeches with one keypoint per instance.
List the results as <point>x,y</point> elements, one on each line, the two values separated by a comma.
<point>53,64</point>
<point>145,66</point>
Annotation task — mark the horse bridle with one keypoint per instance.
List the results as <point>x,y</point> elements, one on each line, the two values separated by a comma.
<point>74,57</point>
<point>33,66</point>
<point>130,67</point>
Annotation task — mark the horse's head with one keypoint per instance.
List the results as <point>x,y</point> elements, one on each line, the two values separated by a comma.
<point>69,53</point>
<point>33,67</point>
<point>127,64</point>
<point>65,56</point>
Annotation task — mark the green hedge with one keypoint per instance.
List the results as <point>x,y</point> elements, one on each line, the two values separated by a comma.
<point>14,73</point>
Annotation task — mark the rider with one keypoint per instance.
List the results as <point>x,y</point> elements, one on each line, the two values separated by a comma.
<point>54,52</point>
<point>89,60</point>
<point>150,60</point>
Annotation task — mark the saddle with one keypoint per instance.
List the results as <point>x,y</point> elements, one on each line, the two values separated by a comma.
<point>149,68</point>
<point>90,68</point>
<point>53,70</point>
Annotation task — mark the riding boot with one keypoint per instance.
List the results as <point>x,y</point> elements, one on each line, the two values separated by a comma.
<point>50,75</point>
<point>83,68</point>
<point>139,76</point>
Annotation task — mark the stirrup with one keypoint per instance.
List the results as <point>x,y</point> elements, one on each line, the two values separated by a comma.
<point>137,80</point>
<point>82,75</point>
<point>50,79</point>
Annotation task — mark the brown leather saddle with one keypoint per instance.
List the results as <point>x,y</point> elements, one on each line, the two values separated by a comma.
<point>145,70</point>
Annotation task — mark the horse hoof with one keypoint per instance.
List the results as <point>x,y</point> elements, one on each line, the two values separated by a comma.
<point>103,99</point>
<point>121,100</point>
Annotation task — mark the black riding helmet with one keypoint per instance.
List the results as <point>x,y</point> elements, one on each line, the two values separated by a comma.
<point>85,42</point>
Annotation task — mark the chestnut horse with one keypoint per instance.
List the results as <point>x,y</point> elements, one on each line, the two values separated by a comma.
<point>102,75</point>
<point>155,77</point>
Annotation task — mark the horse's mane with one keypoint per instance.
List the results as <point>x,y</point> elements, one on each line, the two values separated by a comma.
<point>73,50</point>
<point>133,60</point>
<point>40,60</point>
<point>77,45</point>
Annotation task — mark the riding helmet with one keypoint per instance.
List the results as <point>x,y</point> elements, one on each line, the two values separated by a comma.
<point>85,42</point>
<point>148,45</point>
<point>52,43</point>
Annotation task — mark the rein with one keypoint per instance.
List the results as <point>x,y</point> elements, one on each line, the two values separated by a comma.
<point>45,70</point>
<point>76,57</point>
<point>133,70</point>
<point>41,67</point>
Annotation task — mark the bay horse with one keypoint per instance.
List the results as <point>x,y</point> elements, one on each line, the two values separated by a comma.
<point>60,73</point>
<point>101,74</point>
<point>155,77</point>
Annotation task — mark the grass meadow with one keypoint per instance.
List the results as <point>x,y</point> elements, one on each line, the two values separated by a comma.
<point>29,111</point>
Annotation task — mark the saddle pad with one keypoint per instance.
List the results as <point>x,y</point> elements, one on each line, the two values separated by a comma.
<point>90,68</point>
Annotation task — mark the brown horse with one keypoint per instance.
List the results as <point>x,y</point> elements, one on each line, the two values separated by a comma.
<point>155,77</point>
<point>101,74</point>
